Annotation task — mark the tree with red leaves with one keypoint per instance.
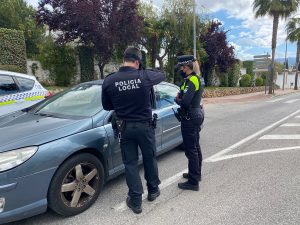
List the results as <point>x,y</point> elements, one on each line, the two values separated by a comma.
<point>103,24</point>
<point>219,53</point>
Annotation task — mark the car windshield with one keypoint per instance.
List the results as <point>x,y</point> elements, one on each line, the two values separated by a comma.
<point>80,101</point>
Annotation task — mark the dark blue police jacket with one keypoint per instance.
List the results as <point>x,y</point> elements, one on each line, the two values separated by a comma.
<point>128,93</point>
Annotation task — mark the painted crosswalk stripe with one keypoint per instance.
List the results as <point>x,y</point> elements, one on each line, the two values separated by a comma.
<point>291,125</point>
<point>281,137</point>
<point>249,138</point>
<point>164,184</point>
<point>256,153</point>
<point>275,100</point>
<point>292,101</point>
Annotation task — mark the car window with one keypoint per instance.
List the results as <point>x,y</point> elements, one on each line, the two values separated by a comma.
<point>166,94</point>
<point>83,101</point>
<point>26,84</point>
<point>7,85</point>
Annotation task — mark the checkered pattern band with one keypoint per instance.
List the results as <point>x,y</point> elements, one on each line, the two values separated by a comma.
<point>20,96</point>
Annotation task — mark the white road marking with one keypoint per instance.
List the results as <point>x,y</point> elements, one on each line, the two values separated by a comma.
<point>280,137</point>
<point>245,140</point>
<point>292,101</point>
<point>122,206</point>
<point>297,117</point>
<point>255,153</point>
<point>214,158</point>
<point>291,125</point>
<point>275,100</point>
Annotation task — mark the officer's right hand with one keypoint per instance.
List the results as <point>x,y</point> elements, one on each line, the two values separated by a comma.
<point>177,98</point>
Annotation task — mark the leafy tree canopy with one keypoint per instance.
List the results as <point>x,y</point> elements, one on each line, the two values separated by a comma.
<point>219,52</point>
<point>16,14</point>
<point>103,24</point>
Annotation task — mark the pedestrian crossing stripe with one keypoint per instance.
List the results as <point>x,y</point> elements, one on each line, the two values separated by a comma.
<point>292,101</point>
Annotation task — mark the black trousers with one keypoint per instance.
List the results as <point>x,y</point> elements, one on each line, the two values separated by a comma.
<point>139,134</point>
<point>190,130</point>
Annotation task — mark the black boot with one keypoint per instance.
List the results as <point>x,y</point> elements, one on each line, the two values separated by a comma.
<point>152,196</point>
<point>135,208</point>
<point>188,186</point>
<point>186,176</point>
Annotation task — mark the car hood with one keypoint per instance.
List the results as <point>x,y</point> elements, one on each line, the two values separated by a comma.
<point>23,129</point>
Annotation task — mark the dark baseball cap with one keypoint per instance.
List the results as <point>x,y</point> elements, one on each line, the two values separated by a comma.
<point>132,53</point>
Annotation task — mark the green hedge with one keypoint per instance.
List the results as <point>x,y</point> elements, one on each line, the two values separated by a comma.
<point>12,68</point>
<point>12,49</point>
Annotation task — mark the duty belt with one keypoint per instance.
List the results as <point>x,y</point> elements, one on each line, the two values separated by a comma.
<point>191,113</point>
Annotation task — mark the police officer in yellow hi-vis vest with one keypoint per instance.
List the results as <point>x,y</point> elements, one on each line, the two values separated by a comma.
<point>192,116</point>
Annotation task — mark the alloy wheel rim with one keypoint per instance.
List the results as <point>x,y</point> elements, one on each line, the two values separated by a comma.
<point>80,185</point>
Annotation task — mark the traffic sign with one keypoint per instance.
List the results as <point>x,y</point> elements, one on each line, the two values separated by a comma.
<point>261,63</point>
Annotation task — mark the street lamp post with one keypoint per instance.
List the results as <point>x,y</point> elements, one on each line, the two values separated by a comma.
<point>194,22</point>
<point>285,64</point>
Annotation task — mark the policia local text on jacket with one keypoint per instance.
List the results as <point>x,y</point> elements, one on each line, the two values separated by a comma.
<point>128,93</point>
<point>192,117</point>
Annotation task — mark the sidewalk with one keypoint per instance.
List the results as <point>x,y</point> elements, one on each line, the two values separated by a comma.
<point>247,97</point>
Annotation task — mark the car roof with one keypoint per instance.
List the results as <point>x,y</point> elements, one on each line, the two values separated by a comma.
<point>97,82</point>
<point>100,82</point>
<point>4,72</point>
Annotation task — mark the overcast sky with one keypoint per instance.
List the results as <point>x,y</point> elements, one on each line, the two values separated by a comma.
<point>248,35</point>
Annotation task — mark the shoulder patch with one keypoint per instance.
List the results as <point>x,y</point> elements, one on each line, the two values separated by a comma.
<point>195,81</point>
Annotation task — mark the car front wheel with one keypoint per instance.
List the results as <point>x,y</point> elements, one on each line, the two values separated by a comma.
<point>76,185</point>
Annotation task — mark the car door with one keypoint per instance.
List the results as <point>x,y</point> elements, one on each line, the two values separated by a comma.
<point>30,91</point>
<point>171,132</point>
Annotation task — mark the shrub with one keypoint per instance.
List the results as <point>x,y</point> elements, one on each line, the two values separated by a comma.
<point>59,60</point>
<point>86,60</point>
<point>259,82</point>
<point>245,81</point>
<point>13,50</point>
<point>234,75</point>
<point>223,80</point>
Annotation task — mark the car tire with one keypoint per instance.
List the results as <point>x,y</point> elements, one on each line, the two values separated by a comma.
<point>76,185</point>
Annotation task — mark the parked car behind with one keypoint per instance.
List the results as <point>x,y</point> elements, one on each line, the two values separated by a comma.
<point>60,152</point>
<point>18,91</point>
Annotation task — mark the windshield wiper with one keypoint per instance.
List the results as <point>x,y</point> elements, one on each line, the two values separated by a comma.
<point>44,114</point>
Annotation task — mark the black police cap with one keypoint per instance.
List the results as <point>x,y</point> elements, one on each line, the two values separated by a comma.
<point>185,59</point>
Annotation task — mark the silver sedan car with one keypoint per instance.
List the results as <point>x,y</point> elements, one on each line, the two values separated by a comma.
<point>60,152</point>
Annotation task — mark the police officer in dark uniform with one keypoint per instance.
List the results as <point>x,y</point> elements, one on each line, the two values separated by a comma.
<point>192,117</point>
<point>127,92</point>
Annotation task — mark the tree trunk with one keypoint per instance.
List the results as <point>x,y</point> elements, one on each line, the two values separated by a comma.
<point>101,68</point>
<point>154,52</point>
<point>160,59</point>
<point>161,64</point>
<point>297,65</point>
<point>274,40</point>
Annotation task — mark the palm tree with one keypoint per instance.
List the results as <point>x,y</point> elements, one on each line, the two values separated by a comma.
<point>276,9</point>
<point>293,30</point>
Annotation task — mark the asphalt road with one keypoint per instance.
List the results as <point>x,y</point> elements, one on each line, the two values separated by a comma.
<point>251,173</point>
